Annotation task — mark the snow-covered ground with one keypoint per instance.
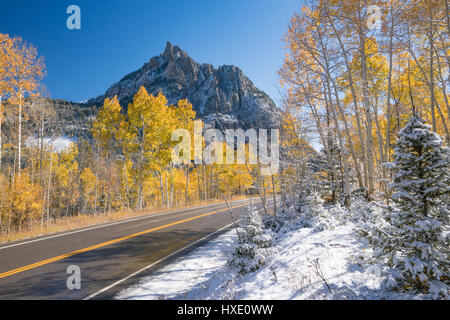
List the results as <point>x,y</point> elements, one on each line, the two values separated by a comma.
<point>305,264</point>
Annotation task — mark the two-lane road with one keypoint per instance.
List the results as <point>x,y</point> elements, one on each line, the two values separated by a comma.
<point>109,256</point>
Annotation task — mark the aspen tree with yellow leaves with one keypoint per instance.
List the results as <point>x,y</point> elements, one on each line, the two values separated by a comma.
<point>361,79</point>
<point>6,47</point>
<point>147,138</point>
<point>88,182</point>
<point>358,153</point>
<point>25,70</point>
<point>366,82</point>
<point>354,72</point>
<point>107,131</point>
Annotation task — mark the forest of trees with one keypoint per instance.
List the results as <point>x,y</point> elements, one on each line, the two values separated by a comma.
<point>124,165</point>
<point>355,72</point>
<point>368,82</point>
<point>364,137</point>
<point>353,75</point>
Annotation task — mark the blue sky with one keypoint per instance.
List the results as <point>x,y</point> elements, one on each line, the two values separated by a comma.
<point>118,37</point>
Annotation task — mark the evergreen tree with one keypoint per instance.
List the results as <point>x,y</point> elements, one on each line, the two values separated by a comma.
<point>251,252</point>
<point>419,244</point>
<point>328,164</point>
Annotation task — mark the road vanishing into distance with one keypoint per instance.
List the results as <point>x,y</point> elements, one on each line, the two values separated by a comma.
<point>110,256</point>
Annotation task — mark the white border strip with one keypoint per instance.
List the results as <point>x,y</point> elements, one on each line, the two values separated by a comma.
<point>115,223</point>
<point>157,262</point>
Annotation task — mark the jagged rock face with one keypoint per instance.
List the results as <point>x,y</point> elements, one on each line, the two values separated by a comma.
<point>223,97</point>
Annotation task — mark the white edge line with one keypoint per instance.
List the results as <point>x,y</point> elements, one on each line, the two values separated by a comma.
<point>157,262</point>
<point>114,223</point>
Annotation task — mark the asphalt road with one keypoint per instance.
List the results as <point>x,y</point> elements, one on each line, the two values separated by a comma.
<point>108,255</point>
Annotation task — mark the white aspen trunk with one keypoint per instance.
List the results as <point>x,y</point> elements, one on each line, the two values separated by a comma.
<point>427,80</point>
<point>95,196</point>
<point>205,193</point>
<point>342,147</point>
<point>388,111</point>
<point>110,165</point>
<point>127,189</point>
<point>274,196</point>
<point>211,183</point>
<point>161,186</point>
<point>200,196</point>
<point>367,107</point>
<point>171,186</point>
<point>11,204</point>
<point>187,185</point>
<point>447,16</point>
<point>443,87</point>
<point>41,148</point>
<point>430,40</point>
<point>347,131</point>
<point>167,191</point>
<point>355,101</point>
<point>49,186</point>
<point>1,120</point>
<point>328,93</point>
<point>19,149</point>
<point>380,138</point>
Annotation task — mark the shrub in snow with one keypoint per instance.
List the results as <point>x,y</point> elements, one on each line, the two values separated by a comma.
<point>366,213</point>
<point>359,194</point>
<point>312,209</point>
<point>300,213</point>
<point>314,214</point>
<point>415,240</point>
<point>308,212</point>
<point>254,240</point>
<point>286,216</point>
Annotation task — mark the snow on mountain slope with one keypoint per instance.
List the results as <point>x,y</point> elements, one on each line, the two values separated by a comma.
<point>57,144</point>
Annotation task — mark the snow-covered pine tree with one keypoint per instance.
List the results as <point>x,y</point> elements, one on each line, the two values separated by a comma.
<point>419,242</point>
<point>311,210</point>
<point>328,165</point>
<point>251,251</point>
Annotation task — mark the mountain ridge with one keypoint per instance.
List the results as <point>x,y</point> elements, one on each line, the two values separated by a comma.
<point>223,97</point>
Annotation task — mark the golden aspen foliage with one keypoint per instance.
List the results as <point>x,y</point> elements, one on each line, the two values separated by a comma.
<point>109,125</point>
<point>66,178</point>
<point>88,182</point>
<point>25,202</point>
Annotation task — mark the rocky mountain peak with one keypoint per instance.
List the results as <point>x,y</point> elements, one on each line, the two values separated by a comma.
<point>169,49</point>
<point>172,52</point>
<point>222,97</point>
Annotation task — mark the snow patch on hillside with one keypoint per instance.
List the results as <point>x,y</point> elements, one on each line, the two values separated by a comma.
<point>58,144</point>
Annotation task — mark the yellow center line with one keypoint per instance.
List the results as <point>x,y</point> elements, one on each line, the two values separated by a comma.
<point>73,253</point>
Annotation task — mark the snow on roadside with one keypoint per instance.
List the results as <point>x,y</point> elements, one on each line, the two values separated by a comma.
<point>186,275</point>
<point>306,265</point>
